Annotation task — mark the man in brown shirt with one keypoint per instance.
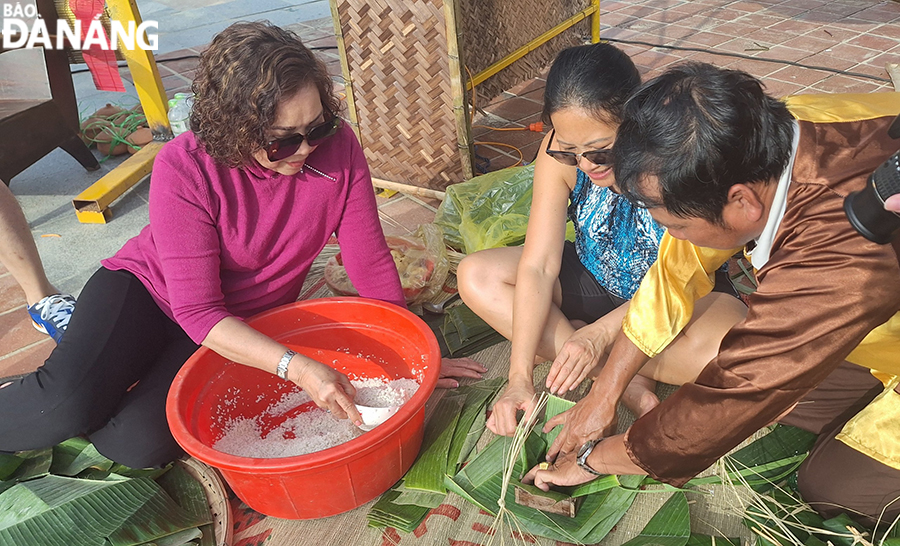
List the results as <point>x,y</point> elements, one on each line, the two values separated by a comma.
<point>722,165</point>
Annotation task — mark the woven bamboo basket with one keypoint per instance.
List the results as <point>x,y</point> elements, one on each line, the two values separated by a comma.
<point>407,65</point>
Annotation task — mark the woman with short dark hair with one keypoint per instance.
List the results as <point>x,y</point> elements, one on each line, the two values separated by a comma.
<point>239,208</point>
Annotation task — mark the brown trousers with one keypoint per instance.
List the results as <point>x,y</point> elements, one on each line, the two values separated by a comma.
<point>836,478</point>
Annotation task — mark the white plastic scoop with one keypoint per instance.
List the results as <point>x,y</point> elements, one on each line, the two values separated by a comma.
<point>372,417</point>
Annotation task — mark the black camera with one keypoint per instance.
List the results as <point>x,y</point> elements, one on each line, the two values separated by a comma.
<point>865,208</point>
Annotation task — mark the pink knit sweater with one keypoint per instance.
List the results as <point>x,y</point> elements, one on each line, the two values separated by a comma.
<point>234,242</point>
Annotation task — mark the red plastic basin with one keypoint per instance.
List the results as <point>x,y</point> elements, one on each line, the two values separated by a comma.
<point>359,337</point>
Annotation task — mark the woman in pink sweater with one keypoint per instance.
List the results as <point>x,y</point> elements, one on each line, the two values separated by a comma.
<point>238,211</point>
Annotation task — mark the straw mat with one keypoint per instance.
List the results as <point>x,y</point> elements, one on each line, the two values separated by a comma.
<point>456,522</point>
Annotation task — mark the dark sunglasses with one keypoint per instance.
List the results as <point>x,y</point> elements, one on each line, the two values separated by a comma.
<point>282,148</point>
<point>597,157</point>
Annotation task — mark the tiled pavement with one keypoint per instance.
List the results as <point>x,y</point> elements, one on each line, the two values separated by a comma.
<point>843,46</point>
<point>849,42</point>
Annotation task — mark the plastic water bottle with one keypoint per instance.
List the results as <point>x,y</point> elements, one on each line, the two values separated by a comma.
<point>180,112</point>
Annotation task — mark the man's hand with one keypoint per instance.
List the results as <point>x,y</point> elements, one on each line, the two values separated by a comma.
<point>563,472</point>
<point>892,203</point>
<point>578,356</point>
<point>591,418</point>
<point>519,395</point>
<point>329,389</point>
<point>458,367</point>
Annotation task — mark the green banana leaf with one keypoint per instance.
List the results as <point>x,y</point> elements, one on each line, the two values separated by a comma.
<point>706,540</point>
<point>472,420</point>
<point>403,517</point>
<point>459,419</point>
<point>190,495</point>
<point>555,406</point>
<point>35,464</point>
<point>158,517</point>
<point>670,526</point>
<point>773,457</point>
<point>465,333</point>
<point>55,510</point>
<point>76,455</point>
<point>596,486</point>
<point>417,497</point>
<point>181,538</point>
<point>779,515</point>
<point>427,472</point>
<point>763,463</point>
<point>26,466</point>
<point>480,482</point>
<point>8,464</point>
<point>839,525</point>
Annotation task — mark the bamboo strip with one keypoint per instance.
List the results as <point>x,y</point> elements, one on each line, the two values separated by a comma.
<point>345,68</point>
<point>408,189</point>
<point>457,89</point>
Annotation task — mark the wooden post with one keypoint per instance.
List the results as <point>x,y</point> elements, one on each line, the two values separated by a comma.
<point>458,89</point>
<point>345,68</point>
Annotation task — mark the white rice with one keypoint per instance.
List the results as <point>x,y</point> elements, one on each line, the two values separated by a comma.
<point>312,430</point>
<point>376,393</point>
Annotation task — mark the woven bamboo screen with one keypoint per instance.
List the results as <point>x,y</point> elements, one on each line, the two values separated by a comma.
<point>403,61</point>
<point>491,29</point>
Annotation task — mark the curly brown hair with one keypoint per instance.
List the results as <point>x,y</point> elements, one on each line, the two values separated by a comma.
<point>242,77</point>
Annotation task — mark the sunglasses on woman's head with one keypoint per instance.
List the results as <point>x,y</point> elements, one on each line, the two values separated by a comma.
<point>283,148</point>
<point>597,157</point>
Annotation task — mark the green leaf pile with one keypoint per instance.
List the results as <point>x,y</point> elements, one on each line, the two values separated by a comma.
<point>71,495</point>
<point>480,482</point>
<point>450,436</point>
<point>465,333</point>
<point>671,526</point>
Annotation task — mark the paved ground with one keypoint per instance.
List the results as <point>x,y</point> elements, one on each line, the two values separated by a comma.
<point>849,41</point>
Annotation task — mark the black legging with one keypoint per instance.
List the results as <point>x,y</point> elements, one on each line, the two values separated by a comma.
<point>107,379</point>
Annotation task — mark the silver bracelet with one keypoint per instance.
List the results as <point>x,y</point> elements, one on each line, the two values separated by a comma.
<point>283,364</point>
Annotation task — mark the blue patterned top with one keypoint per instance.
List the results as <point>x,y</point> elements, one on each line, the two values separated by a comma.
<point>615,240</point>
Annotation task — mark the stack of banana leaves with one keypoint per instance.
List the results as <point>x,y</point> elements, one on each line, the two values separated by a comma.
<point>449,462</point>
<point>70,495</point>
<point>455,427</point>
<point>464,333</point>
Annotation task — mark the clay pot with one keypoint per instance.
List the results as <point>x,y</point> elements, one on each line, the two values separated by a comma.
<point>121,118</point>
<point>106,144</point>
<point>107,111</point>
<point>91,127</point>
<point>138,139</point>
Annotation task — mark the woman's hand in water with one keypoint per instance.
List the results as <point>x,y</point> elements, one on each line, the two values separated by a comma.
<point>519,395</point>
<point>578,357</point>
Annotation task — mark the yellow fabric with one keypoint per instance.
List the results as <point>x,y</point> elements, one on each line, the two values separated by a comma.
<point>827,108</point>
<point>664,303</point>
<point>876,429</point>
<point>880,351</point>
